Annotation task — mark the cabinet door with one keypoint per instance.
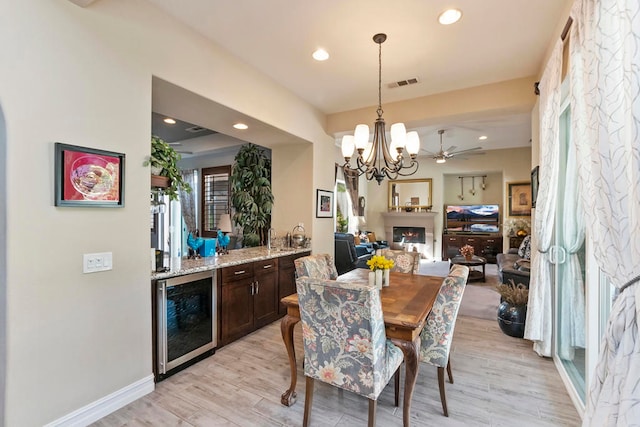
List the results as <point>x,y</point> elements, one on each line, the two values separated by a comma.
<point>491,247</point>
<point>237,309</point>
<point>286,281</point>
<point>451,246</point>
<point>265,298</point>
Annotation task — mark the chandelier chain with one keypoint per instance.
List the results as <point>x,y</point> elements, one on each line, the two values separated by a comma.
<point>375,159</point>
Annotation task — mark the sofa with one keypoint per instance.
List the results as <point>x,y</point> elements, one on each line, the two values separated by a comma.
<point>516,264</point>
<point>348,255</point>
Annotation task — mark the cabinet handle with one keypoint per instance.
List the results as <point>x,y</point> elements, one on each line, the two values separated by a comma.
<point>252,288</point>
<point>257,287</point>
<point>267,266</point>
<point>239,272</point>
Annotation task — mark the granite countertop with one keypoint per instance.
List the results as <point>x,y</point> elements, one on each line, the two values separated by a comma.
<point>234,257</point>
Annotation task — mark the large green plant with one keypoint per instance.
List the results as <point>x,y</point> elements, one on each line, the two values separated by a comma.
<point>163,156</point>
<point>251,195</point>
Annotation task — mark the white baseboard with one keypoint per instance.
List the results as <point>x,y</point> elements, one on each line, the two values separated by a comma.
<point>106,405</point>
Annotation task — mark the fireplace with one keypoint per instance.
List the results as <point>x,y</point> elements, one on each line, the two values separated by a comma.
<point>408,234</point>
<point>410,231</point>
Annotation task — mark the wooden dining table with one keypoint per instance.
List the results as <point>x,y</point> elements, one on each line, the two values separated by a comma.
<point>406,302</point>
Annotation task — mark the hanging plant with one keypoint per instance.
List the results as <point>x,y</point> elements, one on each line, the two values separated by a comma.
<point>164,162</point>
<point>251,195</point>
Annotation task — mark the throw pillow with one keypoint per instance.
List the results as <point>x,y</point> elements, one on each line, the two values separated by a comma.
<point>524,251</point>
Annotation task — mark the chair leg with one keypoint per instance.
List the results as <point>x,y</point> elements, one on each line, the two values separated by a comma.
<point>397,387</point>
<point>443,397</point>
<point>449,369</point>
<point>372,412</point>
<point>308,400</point>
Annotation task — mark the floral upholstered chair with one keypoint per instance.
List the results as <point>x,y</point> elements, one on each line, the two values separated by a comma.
<point>319,266</point>
<point>344,338</point>
<point>437,333</point>
<point>403,261</point>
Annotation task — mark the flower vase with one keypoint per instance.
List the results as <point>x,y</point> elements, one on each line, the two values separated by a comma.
<point>372,278</point>
<point>378,279</point>
<point>385,278</point>
<point>468,257</point>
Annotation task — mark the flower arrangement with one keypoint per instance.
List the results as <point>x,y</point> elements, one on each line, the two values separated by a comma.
<point>513,225</point>
<point>467,251</point>
<point>379,262</point>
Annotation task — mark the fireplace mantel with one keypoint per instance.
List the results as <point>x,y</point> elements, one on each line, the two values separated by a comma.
<point>411,219</point>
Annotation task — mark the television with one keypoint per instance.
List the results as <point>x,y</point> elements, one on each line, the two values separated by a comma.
<point>472,218</point>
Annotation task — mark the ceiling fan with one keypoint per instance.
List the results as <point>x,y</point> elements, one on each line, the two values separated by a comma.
<point>178,150</point>
<point>443,155</point>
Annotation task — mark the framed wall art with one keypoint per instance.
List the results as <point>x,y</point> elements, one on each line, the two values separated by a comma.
<point>519,194</point>
<point>88,177</point>
<point>324,204</point>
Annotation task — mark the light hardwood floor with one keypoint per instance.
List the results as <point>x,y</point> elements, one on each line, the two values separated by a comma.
<point>498,381</point>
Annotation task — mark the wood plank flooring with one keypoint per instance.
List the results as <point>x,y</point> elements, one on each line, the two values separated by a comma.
<point>499,381</point>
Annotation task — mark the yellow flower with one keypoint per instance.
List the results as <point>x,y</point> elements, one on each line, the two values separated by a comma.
<point>379,262</point>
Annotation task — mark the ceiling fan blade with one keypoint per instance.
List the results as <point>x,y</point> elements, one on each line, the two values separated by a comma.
<point>450,149</point>
<point>174,143</point>
<point>184,152</point>
<point>468,150</point>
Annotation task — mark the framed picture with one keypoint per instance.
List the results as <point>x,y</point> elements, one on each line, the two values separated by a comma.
<point>88,177</point>
<point>519,194</point>
<point>324,204</point>
<point>534,185</point>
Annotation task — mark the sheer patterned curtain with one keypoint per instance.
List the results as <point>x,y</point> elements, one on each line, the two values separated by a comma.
<point>605,76</point>
<point>188,200</point>
<point>571,285</point>
<point>539,325</point>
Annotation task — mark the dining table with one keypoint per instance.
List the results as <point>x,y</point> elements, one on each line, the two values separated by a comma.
<point>406,302</point>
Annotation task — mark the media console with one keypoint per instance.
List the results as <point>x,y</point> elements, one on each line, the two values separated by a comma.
<point>485,245</point>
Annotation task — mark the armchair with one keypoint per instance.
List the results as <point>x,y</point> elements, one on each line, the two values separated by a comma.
<point>344,340</point>
<point>347,255</point>
<point>515,265</point>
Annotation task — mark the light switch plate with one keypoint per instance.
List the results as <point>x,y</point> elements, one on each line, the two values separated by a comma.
<point>92,263</point>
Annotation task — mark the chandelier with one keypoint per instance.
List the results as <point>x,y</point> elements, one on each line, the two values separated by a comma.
<point>377,159</point>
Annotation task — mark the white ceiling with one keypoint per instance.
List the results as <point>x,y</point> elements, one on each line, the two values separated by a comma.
<point>495,40</point>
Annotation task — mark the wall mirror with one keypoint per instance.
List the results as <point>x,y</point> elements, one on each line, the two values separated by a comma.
<point>410,195</point>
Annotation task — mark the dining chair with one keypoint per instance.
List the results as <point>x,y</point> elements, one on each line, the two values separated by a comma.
<point>320,266</point>
<point>403,261</point>
<point>437,333</point>
<point>344,339</point>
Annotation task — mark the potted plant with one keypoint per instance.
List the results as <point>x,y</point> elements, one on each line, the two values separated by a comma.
<point>512,311</point>
<point>164,162</point>
<point>251,195</point>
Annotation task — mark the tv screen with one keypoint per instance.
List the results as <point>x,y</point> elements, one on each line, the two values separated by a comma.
<point>473,218</point>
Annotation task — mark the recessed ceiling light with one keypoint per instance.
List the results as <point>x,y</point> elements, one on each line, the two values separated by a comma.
<point>320,55</point>
<point>241,126</point>
<point>170,121</point>
<point>450,16</point>
<point>482,138</point>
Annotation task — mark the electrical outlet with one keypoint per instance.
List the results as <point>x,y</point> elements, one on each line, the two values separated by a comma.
<point>92,263</point>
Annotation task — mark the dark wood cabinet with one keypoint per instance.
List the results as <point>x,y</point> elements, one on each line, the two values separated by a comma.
<point>265,297</point>
<point>287,278</point>
<point>485,246</point>
<point>249,298</point>
<point>250,295</point>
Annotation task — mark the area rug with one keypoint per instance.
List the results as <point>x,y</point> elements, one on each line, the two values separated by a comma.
<point>480,299</point>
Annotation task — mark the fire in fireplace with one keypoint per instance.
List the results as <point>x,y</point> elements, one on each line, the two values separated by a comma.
<point>409,234</point>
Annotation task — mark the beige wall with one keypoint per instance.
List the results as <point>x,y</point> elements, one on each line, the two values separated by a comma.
<point>84,76</point>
